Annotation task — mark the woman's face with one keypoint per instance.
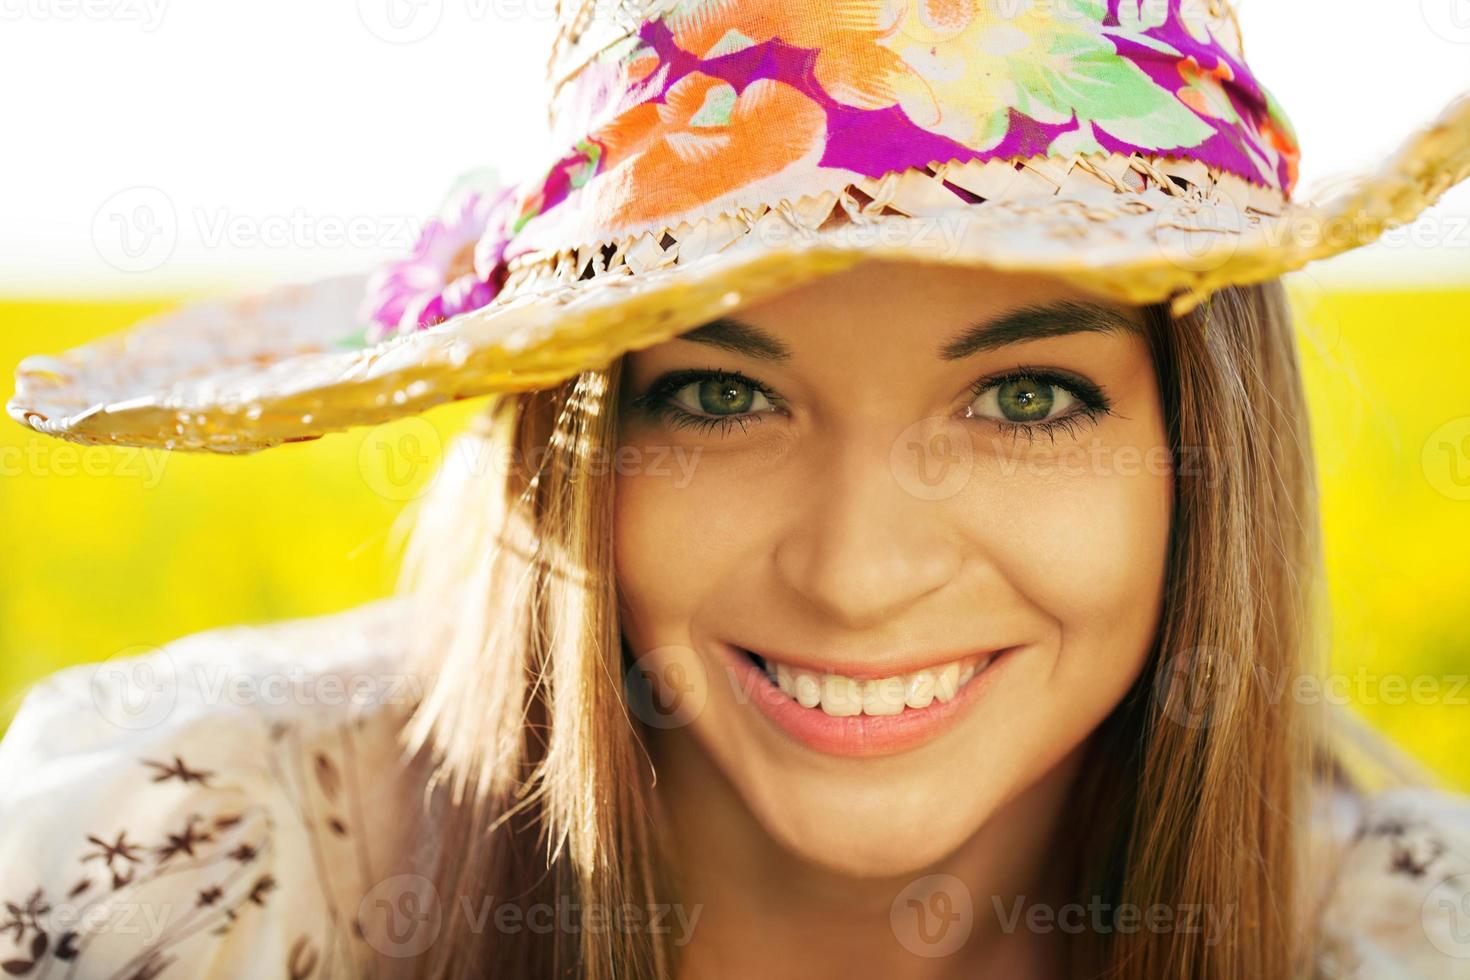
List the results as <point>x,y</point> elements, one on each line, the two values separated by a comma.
<point>935,503</point>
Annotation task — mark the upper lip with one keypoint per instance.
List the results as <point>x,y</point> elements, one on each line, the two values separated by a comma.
<point>873,667</point>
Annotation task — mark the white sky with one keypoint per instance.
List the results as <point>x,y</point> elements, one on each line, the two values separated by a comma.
<point>290,139</point>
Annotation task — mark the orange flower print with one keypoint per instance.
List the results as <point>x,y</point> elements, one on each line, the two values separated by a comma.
<point>702,142</point>
<point>639,65</point>
<point>1204,90</point>
<point>1283,141</point>
<point>851,66</point>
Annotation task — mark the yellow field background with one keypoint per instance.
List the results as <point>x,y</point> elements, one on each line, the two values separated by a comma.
<point>107,551</point>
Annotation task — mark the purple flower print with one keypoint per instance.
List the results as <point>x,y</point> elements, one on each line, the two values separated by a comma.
<point>455,267</point>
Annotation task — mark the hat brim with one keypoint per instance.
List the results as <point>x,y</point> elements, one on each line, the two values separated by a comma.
<point>237,376</point>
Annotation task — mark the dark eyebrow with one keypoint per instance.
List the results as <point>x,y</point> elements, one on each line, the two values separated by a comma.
<point>1035,323</point>
<point>740,337</point>
<point>1027,323</point>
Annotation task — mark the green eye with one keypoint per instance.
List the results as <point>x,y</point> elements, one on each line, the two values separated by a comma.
<point>1027,400</point>
<point>719,396</point>
<point>1023,400</point>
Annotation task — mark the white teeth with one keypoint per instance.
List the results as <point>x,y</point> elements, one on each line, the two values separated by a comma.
<point>919,690</point>
<point>808,689</point>
<point>948,684</point>
<point>843,697</point>
<point>883,696</point>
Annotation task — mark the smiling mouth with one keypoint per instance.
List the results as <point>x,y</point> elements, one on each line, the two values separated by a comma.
<point>840,696</point>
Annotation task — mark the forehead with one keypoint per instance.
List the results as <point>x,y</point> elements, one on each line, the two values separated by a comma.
<point>913,289</point>
<point>912,308</point>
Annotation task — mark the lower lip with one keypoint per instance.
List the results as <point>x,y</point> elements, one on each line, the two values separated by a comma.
<point>858,736</point>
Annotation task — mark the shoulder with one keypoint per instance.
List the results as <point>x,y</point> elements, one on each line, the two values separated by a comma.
<point>1394,884</point>
<point>216,806</point>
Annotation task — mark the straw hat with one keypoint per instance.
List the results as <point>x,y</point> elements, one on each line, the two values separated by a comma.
<point>716,152</point>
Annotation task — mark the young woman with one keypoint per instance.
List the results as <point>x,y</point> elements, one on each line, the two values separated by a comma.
<point>793,608</point>
<point>1105,511</point>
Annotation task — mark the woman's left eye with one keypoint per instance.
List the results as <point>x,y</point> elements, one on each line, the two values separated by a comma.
<point>1023,400</point>
<point>1033,402</point>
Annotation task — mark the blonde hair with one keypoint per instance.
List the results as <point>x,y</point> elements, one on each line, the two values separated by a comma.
<point>537,790</point>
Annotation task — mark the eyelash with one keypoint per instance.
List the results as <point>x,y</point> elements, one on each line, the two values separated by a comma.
<point>1093,403</point>
<point>658,401</point>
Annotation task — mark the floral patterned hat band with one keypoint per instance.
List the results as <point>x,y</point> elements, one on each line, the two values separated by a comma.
<point>717,107</point>
<point>712,153</point>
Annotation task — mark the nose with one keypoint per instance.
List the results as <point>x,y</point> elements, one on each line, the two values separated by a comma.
<point>862,548</point>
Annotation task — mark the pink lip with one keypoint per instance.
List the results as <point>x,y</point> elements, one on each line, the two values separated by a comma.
<point>857,736</point>
<point>869,668</point>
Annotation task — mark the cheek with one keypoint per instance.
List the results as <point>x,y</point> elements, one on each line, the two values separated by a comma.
<point>1090,553</point>
<point>671,558</point>
<point>1085,542</point>
<point>643,517</point>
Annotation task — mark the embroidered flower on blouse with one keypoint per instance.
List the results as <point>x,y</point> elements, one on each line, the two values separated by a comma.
<point>120,857</point>
<point>177,770</point>
<point>201,844</point>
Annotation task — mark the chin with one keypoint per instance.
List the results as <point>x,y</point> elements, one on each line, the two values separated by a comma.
<point>903,815</point>
<point>873,823</point>
<point>872,818</point>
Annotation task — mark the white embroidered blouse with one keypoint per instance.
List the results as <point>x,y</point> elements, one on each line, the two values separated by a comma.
<point>223,807</point>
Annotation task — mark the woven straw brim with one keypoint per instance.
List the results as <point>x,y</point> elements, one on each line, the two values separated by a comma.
<point>239,376</point>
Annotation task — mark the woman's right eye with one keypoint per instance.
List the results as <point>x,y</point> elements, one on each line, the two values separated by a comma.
<point>705,399</point>
<point>719,397</point>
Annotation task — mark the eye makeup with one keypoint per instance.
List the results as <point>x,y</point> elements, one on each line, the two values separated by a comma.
<point>660,400</point>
